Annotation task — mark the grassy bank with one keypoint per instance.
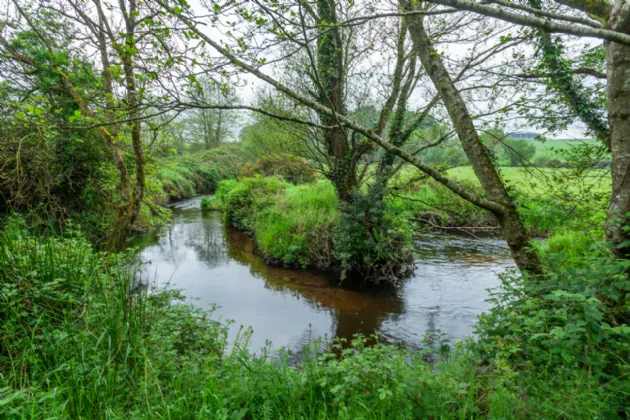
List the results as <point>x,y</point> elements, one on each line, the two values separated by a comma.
<point>194,174</point>
<point>291,224</point>
<point>296,225</point>
<point>79,339</point>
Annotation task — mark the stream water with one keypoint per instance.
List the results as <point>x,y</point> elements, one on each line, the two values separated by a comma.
<point>215,264</point>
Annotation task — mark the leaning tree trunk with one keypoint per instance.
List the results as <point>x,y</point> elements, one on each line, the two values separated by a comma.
<point>513,230</point>
<point>618,70</point>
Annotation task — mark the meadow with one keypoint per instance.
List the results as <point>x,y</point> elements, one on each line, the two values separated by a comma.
<point>541,180</point>
<point>554,149</point>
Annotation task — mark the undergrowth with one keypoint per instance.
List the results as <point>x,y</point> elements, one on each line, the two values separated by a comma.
<point>193,174</point>
<point>81,339</point>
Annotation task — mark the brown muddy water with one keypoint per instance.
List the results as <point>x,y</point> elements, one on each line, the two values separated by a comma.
<point>214,264</point>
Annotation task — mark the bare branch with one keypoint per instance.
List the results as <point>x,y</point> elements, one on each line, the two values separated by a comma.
<point>533,21</point>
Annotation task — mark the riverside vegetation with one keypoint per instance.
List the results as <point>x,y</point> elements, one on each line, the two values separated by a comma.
<point>110,110</point>
<point>81,338</point>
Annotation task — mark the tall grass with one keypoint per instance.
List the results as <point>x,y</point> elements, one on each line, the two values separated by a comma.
<point>291,224</point>
<point>80,338</point>
<point>296,229</point>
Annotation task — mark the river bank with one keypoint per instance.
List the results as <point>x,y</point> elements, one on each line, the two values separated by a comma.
<point>78,341</point>
<point>302,225</point>
<point>215,264</point>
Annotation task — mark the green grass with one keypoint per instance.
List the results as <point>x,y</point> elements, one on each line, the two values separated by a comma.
<point>554,148</point>
<point>302,216</point>
<point>537,180</point>
<point>550,200</point>
<point>291,224</point>
<point>79,339</point>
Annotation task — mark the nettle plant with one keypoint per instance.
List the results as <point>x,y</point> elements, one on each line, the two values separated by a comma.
<point>575,317</point>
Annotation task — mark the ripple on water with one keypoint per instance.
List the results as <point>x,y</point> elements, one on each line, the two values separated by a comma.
<point>218,265</point>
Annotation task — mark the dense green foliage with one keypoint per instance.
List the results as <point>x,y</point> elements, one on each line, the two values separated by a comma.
<point>305,225</point>
<point>81,339</point>
<point>291,224</point>
<point>370,239</point>
<point>290,167</point>
<point>189,175</point>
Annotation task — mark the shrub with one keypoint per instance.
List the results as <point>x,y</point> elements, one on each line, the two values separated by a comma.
<point>291,168</point>
<point>208,203</point>
<point>371,240</point>
<point>576,318</point>
<point>189,175</point>
<point>247,200</point>
<point>519,152</point>
<point>544,161</point>
<point>301,226</point>
<point>433,205</point>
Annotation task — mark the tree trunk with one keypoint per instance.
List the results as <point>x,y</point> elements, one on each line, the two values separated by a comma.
<point>128,214</point>
<point>207,129</point>
<point>618,70</point>
<point>513,229</point>
<point>330,78</point>
<point>217,135</point>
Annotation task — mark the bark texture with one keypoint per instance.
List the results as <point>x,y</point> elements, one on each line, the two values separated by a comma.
<point>618,70</point>
<point>330,77</point>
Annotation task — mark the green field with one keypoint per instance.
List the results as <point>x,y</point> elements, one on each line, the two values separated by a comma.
<point>554,148</point>
<point>538,180</point>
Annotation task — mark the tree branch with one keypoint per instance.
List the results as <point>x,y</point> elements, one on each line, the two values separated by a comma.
<point>429,170</point>
<point>534,22</point>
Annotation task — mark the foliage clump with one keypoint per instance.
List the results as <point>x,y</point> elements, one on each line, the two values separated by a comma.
<point>305,225</point>
<point>291,168</point>
<point>371,240</point>
<point>290,224</point>
<point>188,175</point>
<point>575,319</point>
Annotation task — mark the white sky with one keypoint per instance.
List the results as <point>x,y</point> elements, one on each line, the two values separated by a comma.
<point>250,84</point>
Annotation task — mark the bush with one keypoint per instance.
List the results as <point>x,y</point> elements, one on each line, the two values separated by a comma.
<point>291,168</point>
<point>519,152</point>
<point>193,174</point>
<point>208,203</point>
<point>433,205</point>
<point>575,319</point>
<point>244,202</point>
<point>371,240</point>
<point>301,226</point>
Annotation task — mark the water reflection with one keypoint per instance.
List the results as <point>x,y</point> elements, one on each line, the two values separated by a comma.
<point>215,264</point>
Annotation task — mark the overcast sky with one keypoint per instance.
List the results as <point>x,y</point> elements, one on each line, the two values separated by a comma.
<point>250,84</point>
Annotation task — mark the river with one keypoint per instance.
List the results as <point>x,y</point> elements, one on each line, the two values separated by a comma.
<point>214,264</point>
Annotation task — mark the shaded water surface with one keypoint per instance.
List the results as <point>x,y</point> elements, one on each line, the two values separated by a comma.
<point>215,264</point>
